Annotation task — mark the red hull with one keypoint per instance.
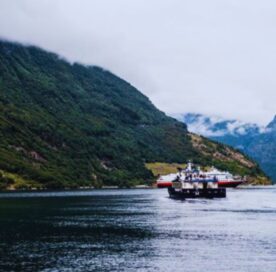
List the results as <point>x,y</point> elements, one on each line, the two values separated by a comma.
<point>166,184</point>
<point>229,184</point>
<point>221,184</point>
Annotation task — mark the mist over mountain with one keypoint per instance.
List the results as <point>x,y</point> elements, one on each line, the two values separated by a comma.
<point>259,142</point>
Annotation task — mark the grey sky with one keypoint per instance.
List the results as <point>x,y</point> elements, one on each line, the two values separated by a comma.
<point>216,57</point>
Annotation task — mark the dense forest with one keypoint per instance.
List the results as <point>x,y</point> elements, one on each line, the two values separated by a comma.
<point>69,125</point>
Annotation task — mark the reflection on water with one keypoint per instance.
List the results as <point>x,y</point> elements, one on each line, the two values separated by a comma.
<point>137,230</point>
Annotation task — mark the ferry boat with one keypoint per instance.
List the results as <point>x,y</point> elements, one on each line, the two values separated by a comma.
<point>166,180</point>
<point>225,179</point>
<point>191,183</point>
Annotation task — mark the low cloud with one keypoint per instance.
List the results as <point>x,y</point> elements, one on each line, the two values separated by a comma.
<point>205,126</point>
<point>214,126</point>
<point>214,57</point>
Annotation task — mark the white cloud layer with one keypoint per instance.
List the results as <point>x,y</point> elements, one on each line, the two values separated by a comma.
<point>215,126</point>
<point>214,57</point>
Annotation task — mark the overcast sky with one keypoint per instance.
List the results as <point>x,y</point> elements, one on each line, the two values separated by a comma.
<point>216,57</point>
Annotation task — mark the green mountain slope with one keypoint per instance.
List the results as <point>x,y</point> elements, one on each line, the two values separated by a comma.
<point>64,125</point>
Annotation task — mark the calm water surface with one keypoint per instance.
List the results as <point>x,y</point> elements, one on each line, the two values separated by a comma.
<point>137,230</point>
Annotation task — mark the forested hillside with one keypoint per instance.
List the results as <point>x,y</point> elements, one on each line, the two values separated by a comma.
<point>64,125</point>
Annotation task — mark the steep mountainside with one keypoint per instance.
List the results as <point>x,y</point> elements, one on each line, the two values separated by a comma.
<point>256,141</point>
<point>263,149</point>
<point>64,125</point>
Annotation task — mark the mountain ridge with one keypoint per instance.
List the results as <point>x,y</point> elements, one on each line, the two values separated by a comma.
<point>272,124</point>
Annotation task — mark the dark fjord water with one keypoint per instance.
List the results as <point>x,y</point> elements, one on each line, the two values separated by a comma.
<point>137,230</point>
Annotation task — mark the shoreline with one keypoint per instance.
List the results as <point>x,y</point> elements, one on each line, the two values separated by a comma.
<point>139,187</point>
<point>39,190</point>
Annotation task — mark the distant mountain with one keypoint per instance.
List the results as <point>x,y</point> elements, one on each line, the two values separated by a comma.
<point>263,149</point>
<point>272,124</point>
<point>256,141</point>
<point>69,125</point>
